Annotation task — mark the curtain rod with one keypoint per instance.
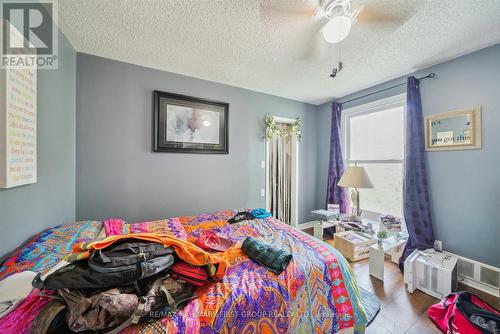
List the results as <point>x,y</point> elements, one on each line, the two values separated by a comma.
<point>428,76</point>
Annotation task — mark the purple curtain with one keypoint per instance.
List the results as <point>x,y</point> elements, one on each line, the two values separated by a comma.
<point>334,193</point>
<point>417,211</point>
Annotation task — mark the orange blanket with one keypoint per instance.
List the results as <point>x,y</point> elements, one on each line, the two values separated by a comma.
<point>216,264</point>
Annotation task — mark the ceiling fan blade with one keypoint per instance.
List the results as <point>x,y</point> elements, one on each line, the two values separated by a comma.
<point>370,15</point>
<point>308,39</point>
<point>306,9</point>
<point>300,12</point>
<point>315,47</point>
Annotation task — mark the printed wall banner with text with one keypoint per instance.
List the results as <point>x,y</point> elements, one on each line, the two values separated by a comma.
<point>18,158</point>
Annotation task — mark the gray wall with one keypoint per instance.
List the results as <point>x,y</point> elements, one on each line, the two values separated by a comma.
<point>119,176</point>
<point>29,209</point>
<point>464,185</point>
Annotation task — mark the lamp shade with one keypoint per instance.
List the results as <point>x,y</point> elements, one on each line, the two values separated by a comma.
<point>355,177</point>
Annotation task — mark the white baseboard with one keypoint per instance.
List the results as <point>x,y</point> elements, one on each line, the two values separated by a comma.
<point>305,226</point>
<point>478,286</point>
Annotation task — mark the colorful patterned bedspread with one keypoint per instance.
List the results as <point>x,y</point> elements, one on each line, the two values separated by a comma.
<point>317,293</point>
<point>47,248</point>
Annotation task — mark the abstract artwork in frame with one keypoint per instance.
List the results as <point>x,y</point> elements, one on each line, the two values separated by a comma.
<point>186,124</point>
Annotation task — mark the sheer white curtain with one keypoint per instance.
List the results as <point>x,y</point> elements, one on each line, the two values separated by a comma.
<point>280,180</point>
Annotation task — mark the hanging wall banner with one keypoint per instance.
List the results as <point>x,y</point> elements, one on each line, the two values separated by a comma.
<point>18,160</point>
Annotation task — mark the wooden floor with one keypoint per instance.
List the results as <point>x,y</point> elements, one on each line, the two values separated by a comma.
<point>401,312</point>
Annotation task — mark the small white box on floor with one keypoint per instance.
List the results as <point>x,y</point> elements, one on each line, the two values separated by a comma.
<point>431,272</point>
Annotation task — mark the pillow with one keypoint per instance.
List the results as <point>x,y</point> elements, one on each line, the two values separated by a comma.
<point>170,226</point>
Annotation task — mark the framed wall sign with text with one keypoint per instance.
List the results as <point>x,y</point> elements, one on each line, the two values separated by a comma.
<point>18,127</point>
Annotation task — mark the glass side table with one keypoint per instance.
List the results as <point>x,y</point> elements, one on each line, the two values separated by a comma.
<point>391,244</point>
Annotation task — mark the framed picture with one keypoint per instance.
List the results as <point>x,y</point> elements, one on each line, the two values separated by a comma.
<point>454,130</point>
<point>18,127</point>
<point>188,124</point>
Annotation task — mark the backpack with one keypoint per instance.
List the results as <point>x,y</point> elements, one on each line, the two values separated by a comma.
<point>111,310</point>
<point>463,312</point>
<point>123,263</point>
<point>116,286</point>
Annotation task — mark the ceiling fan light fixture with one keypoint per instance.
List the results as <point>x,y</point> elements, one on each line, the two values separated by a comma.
<point>337,28</point>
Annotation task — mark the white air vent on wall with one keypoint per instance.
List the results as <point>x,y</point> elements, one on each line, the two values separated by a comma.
<point>466,268</point>
<point>489,276</point>
<point>478,275</point>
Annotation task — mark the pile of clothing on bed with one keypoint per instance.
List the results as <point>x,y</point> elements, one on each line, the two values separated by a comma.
<point>129,277</point>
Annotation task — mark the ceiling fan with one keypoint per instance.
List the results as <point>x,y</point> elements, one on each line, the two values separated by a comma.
<point>340,15</point>
<point>335,17</point>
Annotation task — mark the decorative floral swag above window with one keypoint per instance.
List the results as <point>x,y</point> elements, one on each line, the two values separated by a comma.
<point>273,129</point>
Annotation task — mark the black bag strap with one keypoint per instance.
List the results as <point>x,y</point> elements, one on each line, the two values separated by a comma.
<point>446,304</point>
<point>446,299</point>
<point>102,256</point>
<point>450,324</point>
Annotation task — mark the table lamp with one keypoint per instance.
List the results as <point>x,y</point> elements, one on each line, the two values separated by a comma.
<point>357,178</point>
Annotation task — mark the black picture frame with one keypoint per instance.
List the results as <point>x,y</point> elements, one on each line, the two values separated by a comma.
<point>169,106</point>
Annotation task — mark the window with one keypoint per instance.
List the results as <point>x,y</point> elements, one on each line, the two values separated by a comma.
<point>374,139</point>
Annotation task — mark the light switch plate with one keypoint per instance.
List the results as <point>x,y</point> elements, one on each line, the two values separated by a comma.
<point>262,164</point>
<point>262,192</point>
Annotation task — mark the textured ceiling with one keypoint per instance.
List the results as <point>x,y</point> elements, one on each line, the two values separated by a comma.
<point>272,47</point>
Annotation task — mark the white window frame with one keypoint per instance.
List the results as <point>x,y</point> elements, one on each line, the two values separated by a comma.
<point>363,109</point>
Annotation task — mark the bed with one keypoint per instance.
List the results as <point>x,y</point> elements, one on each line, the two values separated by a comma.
<point>317,293</point>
